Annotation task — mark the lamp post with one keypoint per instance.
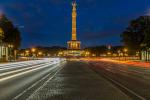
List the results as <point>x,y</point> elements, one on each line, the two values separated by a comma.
<point>119,54</point>
<point>27,53</point>
<point>33,52</point>
<point>125,52</point>
<point>10,51</point>
<point>40,54</point>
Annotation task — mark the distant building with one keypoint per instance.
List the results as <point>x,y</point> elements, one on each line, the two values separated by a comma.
<point>145,55</point>
<point>4,49</point>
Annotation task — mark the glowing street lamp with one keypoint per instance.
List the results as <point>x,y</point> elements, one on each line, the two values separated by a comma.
<point>87,53</point>
<point>33,52</point>
<point>125,52</point>
<point>93,55</point>
<point>27,51</point>
<point>40,53</point>
<point>119,54</point>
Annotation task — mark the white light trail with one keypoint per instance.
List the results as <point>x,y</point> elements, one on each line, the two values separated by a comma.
<point>48,62</point>
<point>19,70</point>
<point>26,63</point>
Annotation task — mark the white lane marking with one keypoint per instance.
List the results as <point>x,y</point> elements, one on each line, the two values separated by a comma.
<point>44,84</point>
<point>37,83</point>
<point>132,92</point>
<point>9,77</point>
<point>119,84</point>
<point>19,70</point>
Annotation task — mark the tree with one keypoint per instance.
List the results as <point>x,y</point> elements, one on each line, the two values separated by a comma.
<point>146,40</point>
<point>11,33</point>
<point>137,33</point>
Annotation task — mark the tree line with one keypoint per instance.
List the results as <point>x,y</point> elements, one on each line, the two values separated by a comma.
<point>12,34</point>
<point>136,36</point>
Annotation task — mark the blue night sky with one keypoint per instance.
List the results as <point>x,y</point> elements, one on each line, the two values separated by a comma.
<point>48,22</point>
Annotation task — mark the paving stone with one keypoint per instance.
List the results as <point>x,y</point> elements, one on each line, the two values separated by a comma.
<point>76,81</point>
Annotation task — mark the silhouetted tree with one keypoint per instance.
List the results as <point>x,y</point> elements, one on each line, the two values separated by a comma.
<point>137,33</point>
<point>11,33</point>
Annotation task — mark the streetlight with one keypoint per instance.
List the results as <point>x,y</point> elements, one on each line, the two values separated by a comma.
<point>109,54</point>
<point>27,53</point>
<point>119,51</point>
<point>40,53</point>
<point>33,51</point>
<point>125,51</point>
<point>10,51</point>
<point>87,54</point>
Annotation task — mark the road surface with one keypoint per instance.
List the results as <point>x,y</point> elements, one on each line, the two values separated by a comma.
<point>77,81</point>
<point>132,80</point>
<point>18,80</point>
<point>57,79</point>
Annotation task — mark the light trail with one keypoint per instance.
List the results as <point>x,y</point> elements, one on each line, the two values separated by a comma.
<point>18,65</point>
<point>38,83</point>
<point>12,76</point>
<point>19,70</point>
<point>30,69</point>
<point>25,63</point>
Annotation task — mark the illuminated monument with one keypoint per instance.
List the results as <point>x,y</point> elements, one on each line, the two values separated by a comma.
<point>74,44</point>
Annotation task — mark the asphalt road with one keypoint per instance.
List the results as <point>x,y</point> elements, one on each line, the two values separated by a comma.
<point>132,80</point>
<point>57,79</point>
<point>77,81</point>
<point>19,80</point>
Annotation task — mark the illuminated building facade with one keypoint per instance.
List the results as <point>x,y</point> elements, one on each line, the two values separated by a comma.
<point>145,54</point>
<point>4,50</point>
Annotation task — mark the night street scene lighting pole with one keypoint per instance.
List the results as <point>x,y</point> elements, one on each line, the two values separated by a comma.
<point>125,53</point>
<point>119,51</point>
<point>27,54</point>
<point>33,53</point>
<point>10,46</point>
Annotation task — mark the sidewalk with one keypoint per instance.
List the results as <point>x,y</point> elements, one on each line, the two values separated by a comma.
<point>76,81</point>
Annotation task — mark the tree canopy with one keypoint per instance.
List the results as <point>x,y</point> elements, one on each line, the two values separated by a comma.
<point>137,34</point>
<point>11,33</point>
